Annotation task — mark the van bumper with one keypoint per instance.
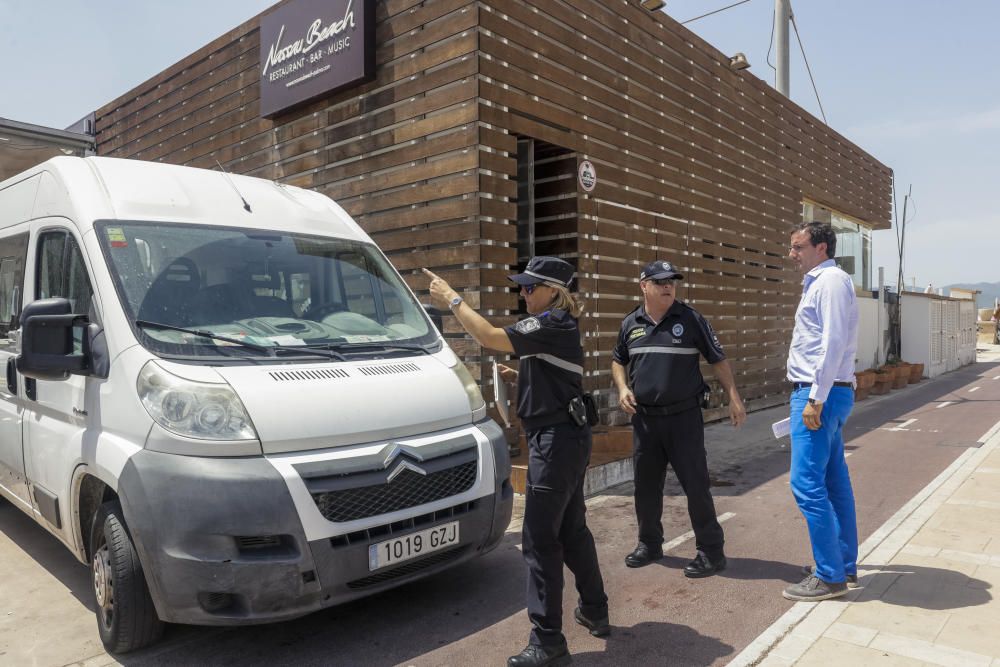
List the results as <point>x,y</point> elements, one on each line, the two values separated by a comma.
<point>221,543</point>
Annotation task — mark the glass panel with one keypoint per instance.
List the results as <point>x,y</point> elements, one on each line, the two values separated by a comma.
<point>265,287</point>
<point>62,273</point>
<point>854,248</point>
<point>13,250</point>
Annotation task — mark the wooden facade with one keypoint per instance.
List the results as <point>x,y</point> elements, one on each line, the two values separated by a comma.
<point>466,145</point>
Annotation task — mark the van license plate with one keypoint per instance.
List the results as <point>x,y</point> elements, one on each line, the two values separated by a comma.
<point>410,546</point>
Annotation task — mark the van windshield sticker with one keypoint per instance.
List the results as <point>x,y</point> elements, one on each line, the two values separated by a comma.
<point>116,237</point>
<point>366,339</point>
<point>286,340</point>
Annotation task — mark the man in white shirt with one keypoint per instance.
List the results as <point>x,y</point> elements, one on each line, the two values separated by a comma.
<point>821,370</point>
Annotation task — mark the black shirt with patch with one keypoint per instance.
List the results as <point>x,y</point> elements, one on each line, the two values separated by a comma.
<point>550,372</point>
<point>662,358</point>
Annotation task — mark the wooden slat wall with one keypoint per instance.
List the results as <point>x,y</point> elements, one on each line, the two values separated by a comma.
<point>696,163</point>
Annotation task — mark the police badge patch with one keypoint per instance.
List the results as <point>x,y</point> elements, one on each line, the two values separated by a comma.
<point>528,325</point>
<point>678,330</point>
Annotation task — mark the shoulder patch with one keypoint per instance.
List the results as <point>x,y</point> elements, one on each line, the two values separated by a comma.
<point>715,338</point>
<point>528,325</point>
<point>636,332</point>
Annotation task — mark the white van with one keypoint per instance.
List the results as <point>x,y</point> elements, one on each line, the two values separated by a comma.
<point>223,398</point>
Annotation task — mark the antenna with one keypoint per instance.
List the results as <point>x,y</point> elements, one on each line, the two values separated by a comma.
<point>233,186</point>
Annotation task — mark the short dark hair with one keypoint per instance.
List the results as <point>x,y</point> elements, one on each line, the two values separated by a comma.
<point>820,232</point>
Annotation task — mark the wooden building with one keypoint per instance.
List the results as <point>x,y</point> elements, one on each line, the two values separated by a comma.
<point>462,152</point>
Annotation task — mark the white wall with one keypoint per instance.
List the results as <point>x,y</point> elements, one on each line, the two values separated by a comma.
<point>938,332</point>
<point>869,332</point>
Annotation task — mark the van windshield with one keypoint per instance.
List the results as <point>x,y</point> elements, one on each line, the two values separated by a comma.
<point>261,287</point>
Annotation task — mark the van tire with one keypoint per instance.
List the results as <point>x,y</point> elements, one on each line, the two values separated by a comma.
<point>126,617</point>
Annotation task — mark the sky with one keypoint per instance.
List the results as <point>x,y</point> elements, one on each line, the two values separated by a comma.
<point>915,83</point>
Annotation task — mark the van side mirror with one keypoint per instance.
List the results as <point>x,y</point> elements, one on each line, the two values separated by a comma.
<point>435,316</point>
<point>47,342</point>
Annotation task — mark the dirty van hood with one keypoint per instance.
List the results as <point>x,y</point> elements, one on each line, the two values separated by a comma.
<point>314,406</point>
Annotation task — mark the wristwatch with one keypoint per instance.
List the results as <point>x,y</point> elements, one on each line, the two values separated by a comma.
<point>812,401</point>
<point>453,304</point>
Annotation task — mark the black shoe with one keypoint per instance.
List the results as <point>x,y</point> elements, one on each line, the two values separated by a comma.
<point>852,579</point>
<point>643,555</point>
<point>599,627</point>
<point>541,656</point>
<point>703,566</point>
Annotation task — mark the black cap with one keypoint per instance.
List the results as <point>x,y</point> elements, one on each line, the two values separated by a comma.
<point>547,269</point>
<point>660,269</point>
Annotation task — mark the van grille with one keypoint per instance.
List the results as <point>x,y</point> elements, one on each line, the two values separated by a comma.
<point>368,535</point>
<point>408,489</point>
<point>315,374</point>
<point>390,369</point>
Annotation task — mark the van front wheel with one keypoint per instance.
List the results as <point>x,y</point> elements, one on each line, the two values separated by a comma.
<point>126,617</point>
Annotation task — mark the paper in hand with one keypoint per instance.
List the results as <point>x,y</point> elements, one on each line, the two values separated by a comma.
<point>500,395</point>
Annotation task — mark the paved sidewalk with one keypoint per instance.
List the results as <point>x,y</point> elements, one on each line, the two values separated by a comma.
<point>930,584</point>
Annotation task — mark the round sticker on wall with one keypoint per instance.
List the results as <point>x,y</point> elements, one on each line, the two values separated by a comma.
<point>587,176</point>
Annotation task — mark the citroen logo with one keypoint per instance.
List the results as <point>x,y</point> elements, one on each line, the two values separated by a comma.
<point>393,451</point>
<point>404,465</point>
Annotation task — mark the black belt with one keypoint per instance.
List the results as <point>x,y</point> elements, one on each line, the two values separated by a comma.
<point>672,409</point>
<point>535,423</point>
<point>803,385</point>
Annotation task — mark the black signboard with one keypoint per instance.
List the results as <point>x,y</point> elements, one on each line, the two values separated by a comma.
<point>311,48</point>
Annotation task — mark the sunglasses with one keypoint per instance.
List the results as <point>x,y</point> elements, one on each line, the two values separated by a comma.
<point>663,281</point>
<point>528,289</point>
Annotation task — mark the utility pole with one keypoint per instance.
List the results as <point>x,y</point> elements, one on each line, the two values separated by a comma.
<point>782,16</point>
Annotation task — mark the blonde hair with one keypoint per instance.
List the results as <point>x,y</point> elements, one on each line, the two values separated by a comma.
<point>566,300</point>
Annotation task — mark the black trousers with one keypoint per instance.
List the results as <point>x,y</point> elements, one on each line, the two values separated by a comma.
<point>555,530</point>
<point>677,440</point>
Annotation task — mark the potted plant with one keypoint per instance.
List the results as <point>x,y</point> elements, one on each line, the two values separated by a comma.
<point>901,375</point>
<point>883,381</point>
<point>916,373</point>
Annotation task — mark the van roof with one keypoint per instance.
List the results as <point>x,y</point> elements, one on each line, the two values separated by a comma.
<point>102,188</point>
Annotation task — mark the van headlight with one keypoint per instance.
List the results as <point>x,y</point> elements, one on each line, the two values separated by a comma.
<point>476,403</point>
<point>209,411</point>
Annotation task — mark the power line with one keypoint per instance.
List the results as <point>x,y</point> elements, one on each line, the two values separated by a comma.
<point>770,45</point>
<point>808,69</point>
<point>735,4</point>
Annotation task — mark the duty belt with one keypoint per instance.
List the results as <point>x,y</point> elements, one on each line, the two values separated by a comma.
<point>672,409</point>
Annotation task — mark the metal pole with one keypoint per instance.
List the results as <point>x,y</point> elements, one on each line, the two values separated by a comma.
<point>880,349</point>
<point>782,15</point>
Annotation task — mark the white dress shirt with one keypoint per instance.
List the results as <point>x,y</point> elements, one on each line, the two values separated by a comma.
<point>825,338</point>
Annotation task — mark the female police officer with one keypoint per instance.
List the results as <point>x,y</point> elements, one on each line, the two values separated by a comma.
<point>550,377</point>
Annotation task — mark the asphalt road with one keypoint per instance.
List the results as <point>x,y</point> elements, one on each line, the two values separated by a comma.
<point>474,614</point>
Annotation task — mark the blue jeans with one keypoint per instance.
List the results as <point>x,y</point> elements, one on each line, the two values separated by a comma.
<point>821,484</point>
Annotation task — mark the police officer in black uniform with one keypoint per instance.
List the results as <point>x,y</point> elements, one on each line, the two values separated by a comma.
<point>549,376</point>
<point>660,343</point>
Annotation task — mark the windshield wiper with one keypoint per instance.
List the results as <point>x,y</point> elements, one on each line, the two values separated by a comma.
<point>269,350</point>
<point>387,346</point>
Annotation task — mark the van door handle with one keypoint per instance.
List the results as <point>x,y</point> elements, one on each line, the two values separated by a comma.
<point>31,388</point>
<point>11,376</point>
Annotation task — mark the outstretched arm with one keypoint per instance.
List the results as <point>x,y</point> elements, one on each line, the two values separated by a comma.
<point>475,324</point>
